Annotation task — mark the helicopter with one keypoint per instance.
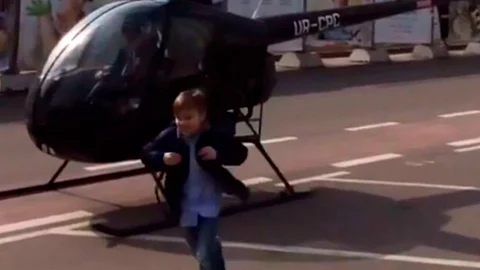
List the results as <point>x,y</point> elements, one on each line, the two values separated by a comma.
<point>107,87</point>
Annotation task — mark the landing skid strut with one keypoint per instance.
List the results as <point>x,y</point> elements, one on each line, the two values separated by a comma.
<point>53,184</point>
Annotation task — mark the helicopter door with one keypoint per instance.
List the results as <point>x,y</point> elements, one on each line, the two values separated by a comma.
<point>186,46</point>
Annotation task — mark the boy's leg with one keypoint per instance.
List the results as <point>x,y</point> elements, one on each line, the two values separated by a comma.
<point>191,235</point>
<point>209,249</point>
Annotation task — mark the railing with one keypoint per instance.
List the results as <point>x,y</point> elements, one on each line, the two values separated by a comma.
<point>426,33</point>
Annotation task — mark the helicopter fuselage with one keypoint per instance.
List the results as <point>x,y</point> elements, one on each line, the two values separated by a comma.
<point>107,87</point>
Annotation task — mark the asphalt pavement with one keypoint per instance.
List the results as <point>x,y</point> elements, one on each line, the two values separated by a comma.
<point>388,153</point>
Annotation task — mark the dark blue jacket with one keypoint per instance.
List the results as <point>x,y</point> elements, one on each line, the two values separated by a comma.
<point>230,152</point>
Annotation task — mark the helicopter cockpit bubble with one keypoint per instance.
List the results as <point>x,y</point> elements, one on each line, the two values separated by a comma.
<point>88,93</point>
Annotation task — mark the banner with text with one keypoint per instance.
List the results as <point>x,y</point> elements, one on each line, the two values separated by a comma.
<point>337,39</point>
<point>266,8</point>
<point>409,28</point>
<point>43,23</point>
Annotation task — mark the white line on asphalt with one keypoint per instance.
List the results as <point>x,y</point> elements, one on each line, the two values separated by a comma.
<point>56,230</point>
<point>372,126</point>
<point>251,182</point>
<point>39,222</point>
<point>72,227</point>
<point>275,140</point>
<point>23,236</point>
<point>293,250</point>
<point>457,114</point>
<point>257,181</point>
<point>332,177</point>
<point>113,165</point>
<point>129,163</point>
<point>365,160</point>
<point>465,142</point>
<point>467,149</point>
<point>400,184</point>
<point>29,224</point>
<point>305,180</point>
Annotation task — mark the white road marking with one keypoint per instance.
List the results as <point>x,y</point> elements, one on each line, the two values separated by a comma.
<point>366,160</point>
<point>467,149</point>
<point>332,178</point>
<point>72,227</point>
<point>293,250</point>
<point>56,230</point>
<point>372,126</point>
<point>275,140</point>
<point>457,114</point>
<point>128,163</point>
<point>305,180</point>
<point>113,165</point>
<point>23,236</point>
<point>465,142</point>
<point>37,223</point>
<point>257,181</point>
<point>400,184</point>
<point>419,163</point>
<point>29,224</point>
<point>251,182</point>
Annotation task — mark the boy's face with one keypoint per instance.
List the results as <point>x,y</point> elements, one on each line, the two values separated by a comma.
<point>189,122</point>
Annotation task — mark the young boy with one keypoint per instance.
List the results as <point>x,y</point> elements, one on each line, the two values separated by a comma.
<point>192,155</point>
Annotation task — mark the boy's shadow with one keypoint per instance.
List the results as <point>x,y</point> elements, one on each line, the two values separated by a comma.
<point>334,219</point>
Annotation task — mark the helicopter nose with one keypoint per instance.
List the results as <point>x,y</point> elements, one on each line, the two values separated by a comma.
<point>39,126</point>
<point>64,121</point>
<point>55,116</point>
<point>35,116</point>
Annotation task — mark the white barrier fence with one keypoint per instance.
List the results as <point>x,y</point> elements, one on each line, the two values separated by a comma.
<point>38,26</point>
<point>368,42</point>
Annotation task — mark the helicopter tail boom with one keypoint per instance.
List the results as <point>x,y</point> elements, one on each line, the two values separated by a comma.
<point>287,27</point>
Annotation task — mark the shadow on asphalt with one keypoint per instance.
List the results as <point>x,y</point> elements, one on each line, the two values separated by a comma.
<point>12,109</point>
<point>327,79</point>
<point>333,219</point>
<point>339,78</point>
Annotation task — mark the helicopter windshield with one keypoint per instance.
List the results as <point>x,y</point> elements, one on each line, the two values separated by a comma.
<point>116,46</point>
<point>113,40</point>
<point>67,38</point>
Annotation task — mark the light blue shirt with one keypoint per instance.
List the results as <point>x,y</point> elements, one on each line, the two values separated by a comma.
<point>201,195</point>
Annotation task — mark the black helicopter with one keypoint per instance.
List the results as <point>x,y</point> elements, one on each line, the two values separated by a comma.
<point>107,87</point>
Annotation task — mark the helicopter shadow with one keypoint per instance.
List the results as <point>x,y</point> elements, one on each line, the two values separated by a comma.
<point>333,219</point>
<point>317,80</point>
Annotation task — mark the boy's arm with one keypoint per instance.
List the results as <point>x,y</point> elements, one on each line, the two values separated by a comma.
<point>230,151</point>
<point>153,152</point>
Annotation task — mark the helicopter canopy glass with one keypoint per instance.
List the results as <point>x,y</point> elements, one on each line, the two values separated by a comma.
<point>113,40</point>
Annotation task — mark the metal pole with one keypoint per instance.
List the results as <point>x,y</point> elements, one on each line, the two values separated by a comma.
<point>304,39</point>
<point>372,33</point>
<point>432,25</point>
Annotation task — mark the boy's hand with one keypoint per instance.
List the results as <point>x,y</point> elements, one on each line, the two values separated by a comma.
<point>171,159</point>
<point>208,153</point>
